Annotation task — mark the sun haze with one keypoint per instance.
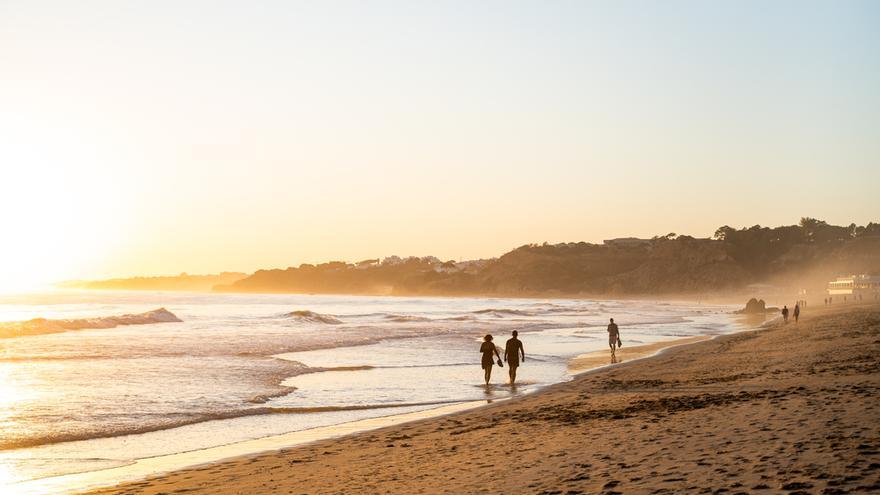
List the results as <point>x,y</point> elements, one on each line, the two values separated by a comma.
<point>160,137</point>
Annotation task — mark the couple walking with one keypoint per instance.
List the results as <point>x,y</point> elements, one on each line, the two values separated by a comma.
<point>514,348</point>
<point>512,351</point>
<point>797,313</point>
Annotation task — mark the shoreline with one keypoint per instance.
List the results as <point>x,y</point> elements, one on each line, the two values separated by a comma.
<point>144,468</point>
<point>152,466</point>
<point>706,392</point>
<point>596,360</point>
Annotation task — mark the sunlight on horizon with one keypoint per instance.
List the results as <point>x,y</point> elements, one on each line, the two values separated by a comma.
<point>208,138</point>
<point>57,222</point>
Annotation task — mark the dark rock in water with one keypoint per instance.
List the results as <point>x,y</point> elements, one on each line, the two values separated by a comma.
<point>754,306</point>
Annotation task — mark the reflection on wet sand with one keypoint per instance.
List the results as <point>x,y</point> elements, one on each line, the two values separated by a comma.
<point>592,360</point>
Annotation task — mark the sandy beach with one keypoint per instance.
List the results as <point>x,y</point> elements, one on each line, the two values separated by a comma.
<point>786,408</point>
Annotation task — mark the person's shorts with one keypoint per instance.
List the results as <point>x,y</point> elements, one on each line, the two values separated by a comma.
<point>513,363</point>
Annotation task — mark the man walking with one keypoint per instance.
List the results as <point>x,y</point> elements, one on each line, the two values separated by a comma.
<point>613,338</point>
<point>512,350</point>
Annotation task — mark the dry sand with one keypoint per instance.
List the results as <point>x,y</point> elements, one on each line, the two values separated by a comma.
<point>790,409</point>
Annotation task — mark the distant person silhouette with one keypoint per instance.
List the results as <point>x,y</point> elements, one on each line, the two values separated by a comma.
<point>512,350</point>
<point>487,348</point>
<point>613,338</point>
<point>785,314</point>
<point>797,312</point>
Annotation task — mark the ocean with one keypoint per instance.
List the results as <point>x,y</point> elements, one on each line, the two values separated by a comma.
<point>239,367</point>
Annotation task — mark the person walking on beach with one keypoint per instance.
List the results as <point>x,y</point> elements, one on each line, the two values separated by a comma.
<point>797,312</point>
<point>785,314</point>
<point>487,348</point>
<point>613,338</point>
<point>512,350</point>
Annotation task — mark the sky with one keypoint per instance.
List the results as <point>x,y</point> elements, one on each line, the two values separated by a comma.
<point>156,137</point>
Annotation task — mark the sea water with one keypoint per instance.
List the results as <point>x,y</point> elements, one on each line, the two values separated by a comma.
<point>240,367</point>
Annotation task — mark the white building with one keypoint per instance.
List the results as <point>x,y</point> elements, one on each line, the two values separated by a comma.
<point>866,286</point>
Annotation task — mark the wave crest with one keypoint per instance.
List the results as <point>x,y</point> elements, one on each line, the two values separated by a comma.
<point>312,317</point>
<point>501,312</point>
<point>461,318</point>
<point>406,318</point>
<point>42,326</point>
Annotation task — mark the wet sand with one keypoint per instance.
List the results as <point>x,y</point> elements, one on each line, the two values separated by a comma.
<point>788,408</point>
<point>594,360</point>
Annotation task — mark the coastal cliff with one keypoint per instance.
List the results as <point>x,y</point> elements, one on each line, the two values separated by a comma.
<point>804,255</point>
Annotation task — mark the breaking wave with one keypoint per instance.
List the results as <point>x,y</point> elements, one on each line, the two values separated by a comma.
<point>406,318</point>
<point>461,318</point>
<point>42,326</point>
<point>501,312</point>
<point>264,398</point>
<point>312,317</point>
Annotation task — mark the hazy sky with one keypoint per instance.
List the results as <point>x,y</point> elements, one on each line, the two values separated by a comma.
<point>157,137</point>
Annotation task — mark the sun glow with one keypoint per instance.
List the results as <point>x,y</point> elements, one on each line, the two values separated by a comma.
<point>147,140</point>
<point>58,216</point>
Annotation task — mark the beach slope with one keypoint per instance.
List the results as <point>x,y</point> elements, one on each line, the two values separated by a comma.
<point>789,408</point>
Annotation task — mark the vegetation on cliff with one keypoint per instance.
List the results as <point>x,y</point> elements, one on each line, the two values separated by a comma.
<point>665,264</point>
